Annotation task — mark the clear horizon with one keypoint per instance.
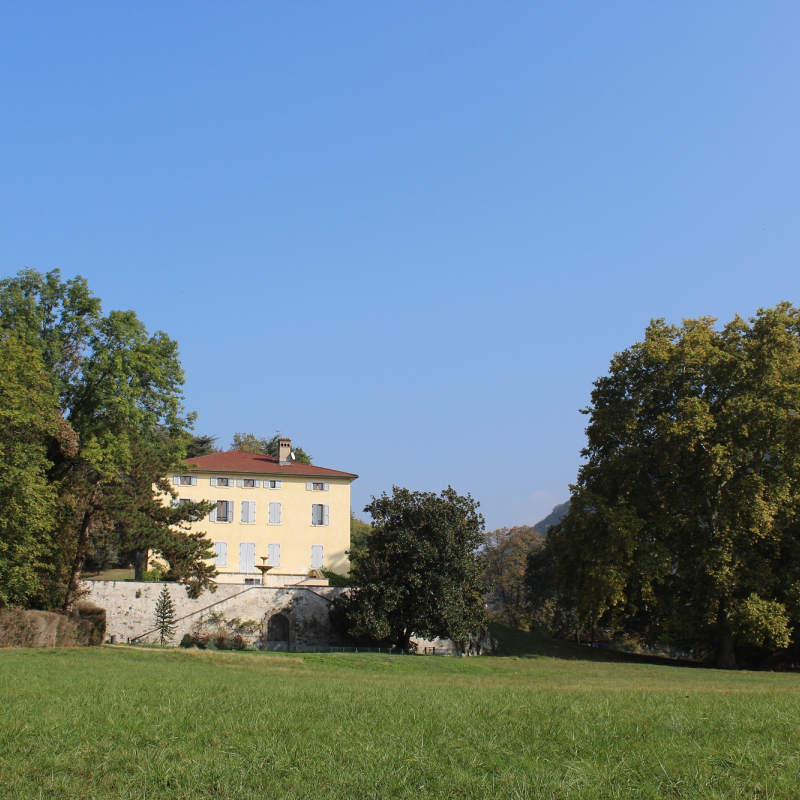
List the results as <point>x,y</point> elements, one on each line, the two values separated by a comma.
<point>408,237</point>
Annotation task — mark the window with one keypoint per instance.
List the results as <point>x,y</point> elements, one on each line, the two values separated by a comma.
<point>274,513</point>
<point>269,484</point>
<point>316,556</point>
<point>222,482</point>
<point>220,554</point>
<point>274,552</point>
<point>319,514</point>
<point>248,511</point>
<point>184,480</point>
<point>317,486</point>
<point>223,512</point>
<point>185,502</point>
<point>249,483</point>
<point>247,557</point>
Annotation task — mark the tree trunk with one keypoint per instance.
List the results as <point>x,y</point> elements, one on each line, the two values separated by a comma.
<point>725,657</point>
<point>403,641</point>
<point>80,557</point>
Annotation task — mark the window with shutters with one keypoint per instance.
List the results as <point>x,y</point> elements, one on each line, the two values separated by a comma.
<point>222,481</point>
<point>317,556</point>
<point>319,514</point>
<point>274,513</point>
<point>270,484</point>
<point>220,554</point>
<point>274,553</point>
<point>223,512</point>
<point>248,512</point>
<point>188,480</point>
<point>247,557</point>
<point>248,483</point>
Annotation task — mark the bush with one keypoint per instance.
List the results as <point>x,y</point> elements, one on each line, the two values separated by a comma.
<point>151,575</point>
<point>83,627</point>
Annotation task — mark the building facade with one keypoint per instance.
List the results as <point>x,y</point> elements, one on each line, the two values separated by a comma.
<point>273,512</point>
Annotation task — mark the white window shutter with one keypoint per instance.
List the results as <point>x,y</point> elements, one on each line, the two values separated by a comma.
<point>194,480</point>
<point>176,480</point>
<point>279,513</point>
<point>244,511</point>
<point>239,482</point>
<point>326,486</point>
<point>213,515</point>
<point>278,484</point>
<point>175,502</point>
<point>213,481</point>
<point>309,487</point>
<point>316,556</point>
<point>325,515</point>
<point>252,511</point>
<point>221,552</point>
<point>257,484</point>
<point>274,551</point>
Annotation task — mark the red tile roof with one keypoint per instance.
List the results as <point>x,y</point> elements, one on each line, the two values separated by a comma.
<point>242,461</point>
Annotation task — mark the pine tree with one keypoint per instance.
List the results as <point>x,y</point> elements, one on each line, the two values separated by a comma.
<point>165,616</point>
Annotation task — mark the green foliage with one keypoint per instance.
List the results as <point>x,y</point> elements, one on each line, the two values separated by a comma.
<point>505,552</point>
<point>165,616</point>
<point>420,573</point>
<point>761,622</point>
<point>154,575</point>
<point>267,447</point>
<point>334,579</point>
<point>684,525</point>
<point>359,533</point>
<point>201,446</point>
<point>29,427</point>
<point>114,395</point>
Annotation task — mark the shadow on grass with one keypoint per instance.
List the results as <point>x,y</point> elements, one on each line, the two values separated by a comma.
<point>514,642</point>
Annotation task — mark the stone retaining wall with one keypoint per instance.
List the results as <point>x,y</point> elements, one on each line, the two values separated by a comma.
<point>130,609</point>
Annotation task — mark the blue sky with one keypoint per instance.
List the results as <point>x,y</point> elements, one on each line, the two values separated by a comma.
<point>408,235</point>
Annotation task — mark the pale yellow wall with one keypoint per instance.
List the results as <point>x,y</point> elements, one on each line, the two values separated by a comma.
<point>295,534</point>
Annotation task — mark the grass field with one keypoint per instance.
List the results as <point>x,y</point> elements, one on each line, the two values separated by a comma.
<point>188,724</point>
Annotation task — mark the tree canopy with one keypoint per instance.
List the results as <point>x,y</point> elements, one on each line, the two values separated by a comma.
<point>684,523</point>
<point>505,552</point>
<point>266,447</point>
<point>114,425</point>
<point>421,572</point>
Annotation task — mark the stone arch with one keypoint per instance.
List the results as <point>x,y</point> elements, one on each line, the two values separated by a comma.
<point>277,633</point>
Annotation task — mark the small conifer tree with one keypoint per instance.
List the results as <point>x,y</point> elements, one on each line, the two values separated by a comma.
<point>165,616</point>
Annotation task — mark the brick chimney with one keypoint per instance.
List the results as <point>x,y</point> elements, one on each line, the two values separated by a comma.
<point>284,451</point>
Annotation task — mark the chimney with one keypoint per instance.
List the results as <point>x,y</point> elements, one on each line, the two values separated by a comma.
<point>284,451</point>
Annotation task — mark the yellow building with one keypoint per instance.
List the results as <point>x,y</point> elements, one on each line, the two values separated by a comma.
<point>270,511</point>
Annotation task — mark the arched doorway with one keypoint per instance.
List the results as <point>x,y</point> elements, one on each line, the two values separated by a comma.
<point>277,632</point>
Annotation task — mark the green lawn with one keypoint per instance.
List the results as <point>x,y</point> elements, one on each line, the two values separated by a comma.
<point>188,724</point>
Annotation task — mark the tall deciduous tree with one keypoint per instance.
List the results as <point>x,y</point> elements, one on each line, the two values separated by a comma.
<point>421,572</point>
<point>119,391</point>
<point>29,424</point>
<point>505,552</point>
<point>684,524</point>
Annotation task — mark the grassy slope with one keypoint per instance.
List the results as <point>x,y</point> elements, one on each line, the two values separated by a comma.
<point>174,724</point>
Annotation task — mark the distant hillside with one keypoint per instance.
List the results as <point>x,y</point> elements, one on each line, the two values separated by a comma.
<point>552,518</point>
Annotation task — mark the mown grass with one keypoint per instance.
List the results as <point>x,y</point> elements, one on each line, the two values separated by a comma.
<point>127,723</point>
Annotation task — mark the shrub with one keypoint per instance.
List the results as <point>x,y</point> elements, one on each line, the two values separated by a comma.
<point>151,575</point>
